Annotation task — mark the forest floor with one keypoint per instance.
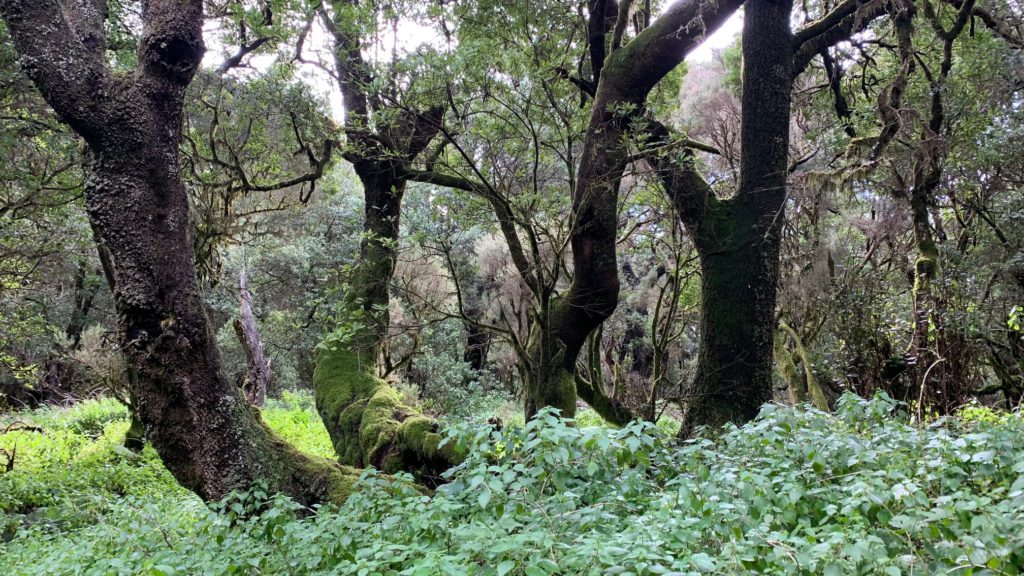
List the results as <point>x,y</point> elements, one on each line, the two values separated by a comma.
<point>860,491</point>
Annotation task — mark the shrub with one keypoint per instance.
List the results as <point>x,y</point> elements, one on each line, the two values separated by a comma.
<point>797,491</point>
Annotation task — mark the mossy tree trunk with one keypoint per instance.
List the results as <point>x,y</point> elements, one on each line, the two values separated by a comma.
<point>942,376</point>
<point>925,339</point>
<point>367,421</point>
<point>135,436</point>
<point>738,238</point>
<point>206,434</point>
<point>938,375</point>
<point>549,379</point>
<point>797,370</point>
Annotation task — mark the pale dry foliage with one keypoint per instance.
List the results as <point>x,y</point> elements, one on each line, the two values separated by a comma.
<point>104,365</point>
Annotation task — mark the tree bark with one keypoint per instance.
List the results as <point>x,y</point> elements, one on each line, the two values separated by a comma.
<point>368,423</point>
<point>206,434</point>
<point>738,241</point>
<point>739,273</point>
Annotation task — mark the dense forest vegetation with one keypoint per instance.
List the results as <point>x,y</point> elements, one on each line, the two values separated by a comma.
<point>453,287</point>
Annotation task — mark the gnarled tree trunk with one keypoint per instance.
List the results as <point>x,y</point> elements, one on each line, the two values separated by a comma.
<point>624,78</point>
<point>206,434</point>
<point>368,423</point>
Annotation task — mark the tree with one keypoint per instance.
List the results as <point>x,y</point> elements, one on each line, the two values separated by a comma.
<point>367,421</point>
<point>738,237</point>
<point>923,142</point>
<point>205,432</point>
<point>48,279</point>
<point>622,81</point>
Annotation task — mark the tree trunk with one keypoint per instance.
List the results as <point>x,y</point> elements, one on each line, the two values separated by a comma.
<point>257,373</point>
<point>86,289</point>
<point>801,381</point>
<point>939,375</point>
<point>737,328</point>
<point>135,436</point>
<point>206,434</point>
<point>922,351</point>
<point>368,423</point>
<point>550,376</point>
<point>626,77</point>
<point>738,239</point>
<point>478,343</point>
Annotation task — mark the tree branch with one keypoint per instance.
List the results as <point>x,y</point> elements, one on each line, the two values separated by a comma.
<point>71,77</point>
<point>244,50</point>
<point>642,63</point>
<point>847,19</point>
<point>502,210</point>
<point>352,71</point>
<point>86,18</point>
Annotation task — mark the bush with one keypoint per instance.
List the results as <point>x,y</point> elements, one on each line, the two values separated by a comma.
<point>75,472</point>
<point>797,491</point>
<point>973,412</point>
<point>295,418</point>
<point>103,363</point>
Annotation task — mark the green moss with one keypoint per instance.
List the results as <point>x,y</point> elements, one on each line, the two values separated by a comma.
<point>418,436</point>
<point>796,387</point>
<point>565,384</point>
<point>307,478</point>
<point>380,422</point>
<point>135,436</point>
<point>368,423</point>
<point>296,421</point>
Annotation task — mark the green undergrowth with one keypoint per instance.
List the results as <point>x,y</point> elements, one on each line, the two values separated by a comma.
<point>294,418</point>
<point>797,491</point>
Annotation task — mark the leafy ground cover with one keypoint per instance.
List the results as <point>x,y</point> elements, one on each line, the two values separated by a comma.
<point>797,491</point>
